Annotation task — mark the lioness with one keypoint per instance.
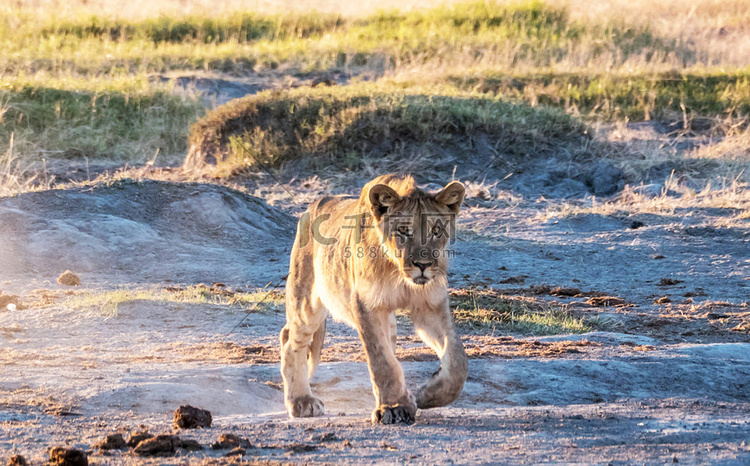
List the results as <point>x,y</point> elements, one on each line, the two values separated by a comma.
<point>361,260</point>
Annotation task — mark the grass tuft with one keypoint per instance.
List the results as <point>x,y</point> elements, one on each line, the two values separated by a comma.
<point>489,309</point>
<point>15,176</point>
<point>107,302</point>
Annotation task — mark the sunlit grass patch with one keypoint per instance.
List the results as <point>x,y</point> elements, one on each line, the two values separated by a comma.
<point>490,309</point>
<point>124,119</point>
<point>641,95</point>
<point>37,40</point>
<point>238,27</point>
<point>107,302</point>
<point>508,34</point>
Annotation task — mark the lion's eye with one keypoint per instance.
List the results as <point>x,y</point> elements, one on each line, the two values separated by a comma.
<point>403,230</point>
<point>437,230</point>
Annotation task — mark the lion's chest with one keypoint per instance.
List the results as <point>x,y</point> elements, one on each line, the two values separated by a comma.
<point>401,295</point>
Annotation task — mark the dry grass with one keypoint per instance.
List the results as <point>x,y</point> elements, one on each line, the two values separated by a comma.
<point>18,175</point>
<point>675,197</point>
<point>717,30</point>
<point>520,315</point>
<point>139,9</point>
<point>64,120</point>
<point>107,302</point>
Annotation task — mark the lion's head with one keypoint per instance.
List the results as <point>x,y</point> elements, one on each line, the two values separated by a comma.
<point>415,227</point>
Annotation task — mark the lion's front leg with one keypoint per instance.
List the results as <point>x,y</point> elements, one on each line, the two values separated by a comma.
<point>435,327</point>
<point>394,404</point>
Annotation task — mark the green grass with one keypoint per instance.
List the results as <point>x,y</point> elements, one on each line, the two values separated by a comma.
<point>489,309</point>
<point>241,27</point>
<point>643,96</point>
<point>341,124</point>
<point>107,302</point>
<point>524,32</point>
<point>122,119</point>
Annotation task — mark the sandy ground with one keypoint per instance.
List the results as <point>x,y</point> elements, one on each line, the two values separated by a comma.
<point>658,383</point>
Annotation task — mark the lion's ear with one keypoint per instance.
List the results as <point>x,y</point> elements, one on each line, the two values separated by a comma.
<point>452,196</point>
<point>381,198</point>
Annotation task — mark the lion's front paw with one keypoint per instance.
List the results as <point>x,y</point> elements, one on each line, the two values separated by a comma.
<point>306,406</point>
<point>394,414</point>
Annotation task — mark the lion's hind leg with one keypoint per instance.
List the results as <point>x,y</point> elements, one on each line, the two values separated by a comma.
<point>298,343</point>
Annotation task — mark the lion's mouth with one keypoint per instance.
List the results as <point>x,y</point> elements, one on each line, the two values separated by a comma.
<point>421,280</point>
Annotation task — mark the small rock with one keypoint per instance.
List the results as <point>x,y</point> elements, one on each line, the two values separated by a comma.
<point>513,280</point>
<point>658,256</point>
<point>605,301</point>
<point>669,282</point>
<point>560,291</point>
<point>112,442</point>
<point>17,460</point>
<point>388,446</point>
<point>663,300</point>
<point>239,451</point>
<point>138,437</point>
<point>328,437</point>
<point>189,417</point>
<point>301,448</point>
<point>61,410</point>
<point>229,441</point>
<point>161,445</point>
<point>68,278</point>
<point>68,457</point>
<point>191,445</point>
<point>635,224</point>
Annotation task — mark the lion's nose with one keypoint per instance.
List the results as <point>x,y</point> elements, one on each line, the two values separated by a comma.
<point>423,264</point>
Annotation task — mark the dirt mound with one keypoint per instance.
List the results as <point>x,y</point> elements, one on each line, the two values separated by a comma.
<point>130,230</point>
<point>340,125</point>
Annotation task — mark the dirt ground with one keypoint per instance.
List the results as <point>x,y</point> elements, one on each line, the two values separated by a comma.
<point>664,377</point>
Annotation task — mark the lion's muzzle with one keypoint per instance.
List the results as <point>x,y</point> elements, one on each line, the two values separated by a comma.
<point>422,271</point>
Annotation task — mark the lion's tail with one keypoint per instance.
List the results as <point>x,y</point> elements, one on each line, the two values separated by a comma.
<point>316,346</point>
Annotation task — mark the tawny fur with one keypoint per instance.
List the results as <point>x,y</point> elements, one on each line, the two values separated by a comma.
<point>361,259</point>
